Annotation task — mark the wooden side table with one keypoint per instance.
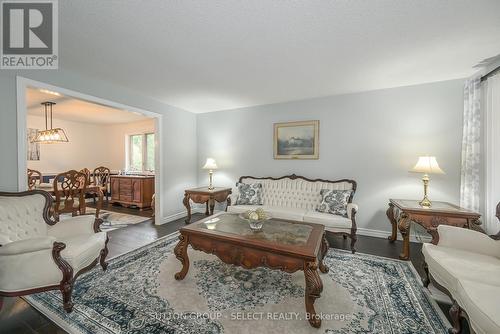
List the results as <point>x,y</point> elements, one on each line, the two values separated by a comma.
<point>204,195</point>
<point>402,212</point>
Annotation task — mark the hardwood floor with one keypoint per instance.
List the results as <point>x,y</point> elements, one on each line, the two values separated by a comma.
<point>19,317</point>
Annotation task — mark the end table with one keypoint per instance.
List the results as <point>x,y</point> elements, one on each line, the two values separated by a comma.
<point>207,196</point>
<point>402,212</point>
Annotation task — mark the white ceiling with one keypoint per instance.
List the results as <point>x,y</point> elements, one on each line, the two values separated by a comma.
<point>76,110</point>
<point>212,55</point>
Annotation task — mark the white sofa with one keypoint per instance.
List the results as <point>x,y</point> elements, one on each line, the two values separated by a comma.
<point>39,254</point>
<point>466,265</point>
<point>296,198</point>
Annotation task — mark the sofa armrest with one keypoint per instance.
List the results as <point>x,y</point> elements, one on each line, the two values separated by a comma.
<point>350,208</point>
<point>73,226</point>
<point>467,240</point>
<point>27,245</point>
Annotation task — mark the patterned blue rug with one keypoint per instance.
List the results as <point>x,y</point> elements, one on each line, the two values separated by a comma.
<point>138,294</point>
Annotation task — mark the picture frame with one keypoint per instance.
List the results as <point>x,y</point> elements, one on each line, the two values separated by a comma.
<point>296,140</point>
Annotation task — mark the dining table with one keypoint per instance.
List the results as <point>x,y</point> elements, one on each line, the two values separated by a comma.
<point>89,189</point>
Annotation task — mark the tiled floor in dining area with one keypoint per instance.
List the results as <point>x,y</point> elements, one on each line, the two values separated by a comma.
<point>19,317</point>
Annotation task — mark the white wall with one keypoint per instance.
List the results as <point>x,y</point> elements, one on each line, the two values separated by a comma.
<point>372,137</point>
<point>90,145</point>
<point>179,131</point>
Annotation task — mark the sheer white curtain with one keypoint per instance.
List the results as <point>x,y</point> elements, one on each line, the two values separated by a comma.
<point>492,152</point>
<point>471,145</point>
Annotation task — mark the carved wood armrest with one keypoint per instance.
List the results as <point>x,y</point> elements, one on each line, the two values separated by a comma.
<point>97,225</point>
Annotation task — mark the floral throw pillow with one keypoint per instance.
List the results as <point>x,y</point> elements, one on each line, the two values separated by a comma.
<point>334,201</point>
<point>249,194</point>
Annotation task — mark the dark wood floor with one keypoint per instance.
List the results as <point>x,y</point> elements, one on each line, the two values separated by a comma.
<point>18,317</point>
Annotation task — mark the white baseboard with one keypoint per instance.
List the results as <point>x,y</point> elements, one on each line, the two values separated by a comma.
<point>176,216</point>
<point>386,234</point>
<point>168,219</point>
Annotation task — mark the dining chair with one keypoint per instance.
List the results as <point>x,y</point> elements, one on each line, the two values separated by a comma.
<point>102,180</point>
<point>33,177</point>
<point>86,171</point>
<point>69,192</point>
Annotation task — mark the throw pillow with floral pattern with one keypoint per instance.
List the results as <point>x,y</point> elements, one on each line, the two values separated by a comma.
<point>334,201</point>
<point>249,194</point>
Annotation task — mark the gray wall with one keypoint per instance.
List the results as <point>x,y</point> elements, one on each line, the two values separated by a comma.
<point>179,130</point>
<point>372,137</point>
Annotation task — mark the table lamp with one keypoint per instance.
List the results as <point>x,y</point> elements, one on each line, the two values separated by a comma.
<point>427,165</point>
<point>211,165</point>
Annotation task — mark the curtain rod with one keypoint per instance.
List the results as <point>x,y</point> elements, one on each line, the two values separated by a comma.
<point>490,73</point>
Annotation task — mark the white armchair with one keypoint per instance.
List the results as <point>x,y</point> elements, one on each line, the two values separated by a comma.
<point>465,264</point>
<point>39,254</point>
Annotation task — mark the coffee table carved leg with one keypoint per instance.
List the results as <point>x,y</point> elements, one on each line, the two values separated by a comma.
<point>314,287</point>
<point>324,249</point>
<point>392,220</point>
<point>185,201</point>
<point>180,252</point>
<point>404,228</point>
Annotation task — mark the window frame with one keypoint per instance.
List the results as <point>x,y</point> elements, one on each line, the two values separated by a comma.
<point>144,149</point>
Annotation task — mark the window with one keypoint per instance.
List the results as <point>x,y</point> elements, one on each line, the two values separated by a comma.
<point>142,152</point>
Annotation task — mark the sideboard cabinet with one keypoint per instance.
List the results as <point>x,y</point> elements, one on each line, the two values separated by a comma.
<point>132,190</point>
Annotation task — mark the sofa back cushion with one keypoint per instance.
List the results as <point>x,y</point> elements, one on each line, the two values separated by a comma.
<point>296,191</point>
<point>22,217</point>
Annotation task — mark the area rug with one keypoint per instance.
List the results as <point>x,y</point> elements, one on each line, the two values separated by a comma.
<point>114,220</point>
<point>138,294</point>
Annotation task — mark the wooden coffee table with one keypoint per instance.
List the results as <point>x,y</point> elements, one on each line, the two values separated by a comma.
<point>281,244</point>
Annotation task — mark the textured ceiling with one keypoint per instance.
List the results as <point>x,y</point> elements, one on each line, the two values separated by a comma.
<point>71,109</point>
<point>212,55</point>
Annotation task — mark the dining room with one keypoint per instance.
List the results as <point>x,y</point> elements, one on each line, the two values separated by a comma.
<point>92,158</point>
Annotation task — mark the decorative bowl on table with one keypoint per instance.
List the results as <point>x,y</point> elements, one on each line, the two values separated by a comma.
<point>255,218</point>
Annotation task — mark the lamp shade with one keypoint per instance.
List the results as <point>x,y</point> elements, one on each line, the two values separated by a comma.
<point>210,164</point>
<point>427,165</point>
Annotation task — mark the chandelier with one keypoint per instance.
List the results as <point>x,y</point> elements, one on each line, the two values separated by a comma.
<point>52,135</point>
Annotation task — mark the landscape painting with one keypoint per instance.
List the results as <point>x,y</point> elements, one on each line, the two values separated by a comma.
<point>33,148</point>
<point>296,140</point>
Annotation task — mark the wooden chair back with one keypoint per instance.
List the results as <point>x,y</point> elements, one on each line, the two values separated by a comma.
<point>101,176</point>
<point>33,176</point>
<point>86,171</point>
<point>69,189</point>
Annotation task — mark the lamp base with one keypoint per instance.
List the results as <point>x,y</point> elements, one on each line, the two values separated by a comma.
<point>425,202</point>
<point>210,175</point>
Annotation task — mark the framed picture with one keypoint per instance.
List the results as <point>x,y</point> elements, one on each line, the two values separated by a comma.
<point>296,140</point>
<point>33,148</point>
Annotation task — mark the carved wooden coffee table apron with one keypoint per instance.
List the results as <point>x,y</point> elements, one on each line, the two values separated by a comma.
<point>281,244</point>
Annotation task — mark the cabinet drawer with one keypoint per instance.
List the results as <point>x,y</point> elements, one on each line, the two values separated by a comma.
<point>125,184</point>
<point>126,197</point>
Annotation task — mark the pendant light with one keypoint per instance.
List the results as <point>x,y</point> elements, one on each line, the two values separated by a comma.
<point>52,135</point>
